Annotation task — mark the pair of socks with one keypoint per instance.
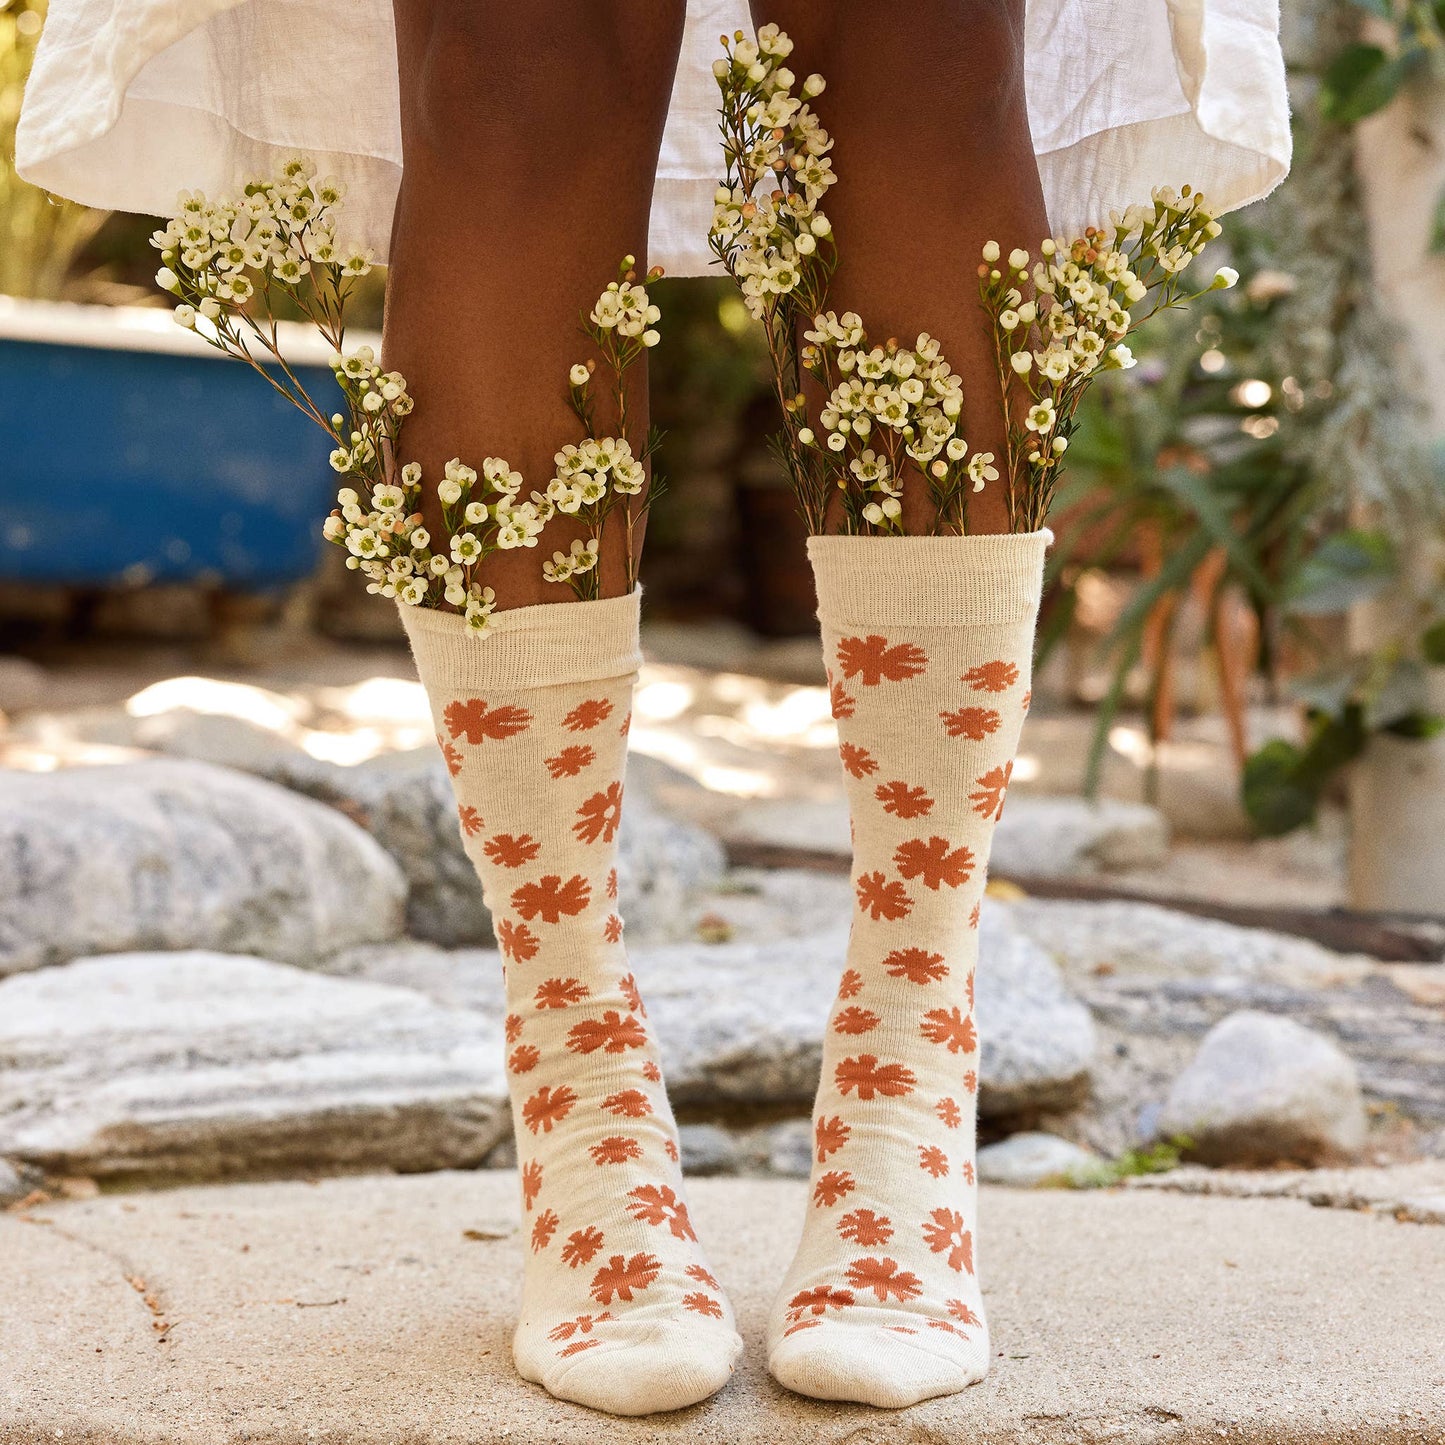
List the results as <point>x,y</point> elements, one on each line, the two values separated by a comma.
<point>927,642</point>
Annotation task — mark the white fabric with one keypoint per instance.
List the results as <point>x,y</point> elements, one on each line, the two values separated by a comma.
<point>131,100</point>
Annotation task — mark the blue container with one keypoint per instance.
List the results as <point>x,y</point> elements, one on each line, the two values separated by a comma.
<point>131,453</point>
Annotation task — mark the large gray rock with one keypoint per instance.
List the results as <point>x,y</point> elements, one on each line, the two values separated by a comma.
<point>1027,1159</point>
<point>1052,837</point>
<point>1265,1090</point>
<point>171,854</point>
<point>203,1065</point>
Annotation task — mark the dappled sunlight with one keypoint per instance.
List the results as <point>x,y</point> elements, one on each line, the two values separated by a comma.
<point>273,711</point>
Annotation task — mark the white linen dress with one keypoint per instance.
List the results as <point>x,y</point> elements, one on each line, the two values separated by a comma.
<point>130,101</point>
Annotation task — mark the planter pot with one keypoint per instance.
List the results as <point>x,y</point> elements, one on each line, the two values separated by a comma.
<point>1397,820</point>
<point>131,453</point>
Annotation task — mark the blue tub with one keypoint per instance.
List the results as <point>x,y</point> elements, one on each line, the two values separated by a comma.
<point>130,453</point>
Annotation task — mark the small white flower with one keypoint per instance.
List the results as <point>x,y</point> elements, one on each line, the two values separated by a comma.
<point>579,375</point>
<point>186,316</point>
<point>167,279</point>
<point>1021,362</point>
<point>1040,416</point>
<point>1224,278</point>
<point>388,498</point>
<point>991,252</point>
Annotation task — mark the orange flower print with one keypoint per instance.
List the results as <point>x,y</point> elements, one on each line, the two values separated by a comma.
<point>475,721</point>
<point>612,883</point>
<point>614,1033</point>
<point>859,762</point>
<point>970,1082</point>
<point>544,1229</point>
<point>531,1185</point>
<point>470,819</point>
<point>559,992</point>
<point>932,1160</point>
<point>517,941</point>
<point>509,850</point>
<point>987,798</point>
<point>865,1228</point>
<point>1026,699</point>
<point>612,929</point>
<point>946,1234</point>
<point>615,1149</point>
<point>818,1301</point>
<point>961,1312</point>
<point>830,1135</point>
<point>991,677</point>
<point>881,898</point>
<point>973,723</point>
<point>582,1246</point>
<point>702,1304</point>
<point>836,1184</point>
<point>452,755</point>
<point>871,660</point>
<point>657,1204</point>
<point>598,817</point>
<point>851,984</point>
<point>571,760</point>
<point>628,1104</point>
<point>802,1325</point>
<point>626,726</point>
<point>702,1276</point>
<point>966,1169</point>
<point>651,1072</point>
<point>549,898</point>
<point>548,1106</point>
<point>582,1325</point>
<point>949,1113</point>
<point>884,1278</point>
<point>524,1058</point>
<point>587,715</point>
<point>947,1325</point>
<point>513,1028</point>
<point>866,1077</point>
<point>627,987</point>
<point>621,1277</point>
<point>951,1028</point>
<point>854,1020</point>
<point>917,965</point>
<point>969,985</point>
<point>934,863</point>
<point>973,917</point>
<point>840,700</point>
<point>903,801</point>
<point>669,1147</point>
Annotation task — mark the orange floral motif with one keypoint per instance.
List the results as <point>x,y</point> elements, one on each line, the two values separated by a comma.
<point>452,755</point>
<point>949,1112</point>
<point>576,1347</point>
<point>830,1135</point>
<point>1026,699</point>
<point>626,726</point>
<point>531,1185</point>
<point>961,1312</point>
<point>621,1277</point>
<point>571,760</point>
<point>475,721</point>
<point>548,1106</point>
<point>947,1234</point>
<point>840,699</point>
<point>524,1058</point>
<point>470,819</point>
<point>598,817</point>
<point>946,1325</point>
<point>549,898</point>
<point>806,1324</point>
<point>612,883</point>
<point>615,1149</point>
<point>628,1104</point>
<point>881,898</point>
<point>987,797</point>
<point>864,1227</point>
<point>614,1033</point>
<point>871,660</point>
<point>836,1184</point>
<point>612,929</point>
<point>657,1204</point>
<point>868,1078</point>
<point>996,676</point>
<point>701,1275</point>
<point>702,1304</point>
<point>973,723</point>
<point>544,1229</point>
<point>932,1160</point>
<point>511,850</point>
<point>851,983</point>
<point>582,1325</point>
<point>513,1028</point>
<point>859,762</point>
<point>934,862</point>
<point>969,985</point>
<point>884,1278</point>
<point>651,1072</point>
<point>970,1082</point>
<point>966,1169</point>
<point>587,715</point>
<point>903,801</point>
<point>669,1147</point>
<point>582,1246</point>
<point>973,917</point>
<point>917,965</point>
<point>855,1020</point>
<point>559,992</point>
<point>627,986</point>
<point>818,1301</point>
<point>951,1027</point>
<point>517,941</point>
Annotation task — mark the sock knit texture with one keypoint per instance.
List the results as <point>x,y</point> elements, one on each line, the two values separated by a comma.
<point>619,1308</point>
<point>928,642</point>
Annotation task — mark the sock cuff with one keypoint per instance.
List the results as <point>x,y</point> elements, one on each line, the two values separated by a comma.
<point>929,581</point>
<point>547,645</point>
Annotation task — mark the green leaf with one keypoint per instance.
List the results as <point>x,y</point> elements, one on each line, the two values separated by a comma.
<point>1432,644</point>
<point>1196,494</point>
<point>1275,795</point>
<point>1345,568</point>
<point>1360,80</point>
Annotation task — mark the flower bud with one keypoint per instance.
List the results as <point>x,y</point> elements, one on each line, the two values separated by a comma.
<point>991,252</point>
<point>1224,278</point>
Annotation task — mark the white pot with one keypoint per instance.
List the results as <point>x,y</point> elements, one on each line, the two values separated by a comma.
<point>1397,820</point>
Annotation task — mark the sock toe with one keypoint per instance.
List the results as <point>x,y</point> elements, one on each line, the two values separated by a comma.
<point>874,1365</point>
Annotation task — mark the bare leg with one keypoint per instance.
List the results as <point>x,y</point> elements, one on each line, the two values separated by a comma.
<point>530,135</point>
<point>926,108</point>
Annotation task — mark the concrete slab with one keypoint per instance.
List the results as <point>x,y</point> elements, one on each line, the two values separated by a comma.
<point>376,1311</point>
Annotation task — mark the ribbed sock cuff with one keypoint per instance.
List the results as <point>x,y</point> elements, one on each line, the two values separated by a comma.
<point>543,646</point>
<point>929,581</point>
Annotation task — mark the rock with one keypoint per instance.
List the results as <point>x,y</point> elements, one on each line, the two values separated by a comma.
<point>1052,837</point>
<point>12,1184</point>
<point>169,855</point>
<point>1265,1090</point>
<point>790,1149</point>
<point>1024,1160</point>
<point>707,1149</point>
<point>204,1065</point>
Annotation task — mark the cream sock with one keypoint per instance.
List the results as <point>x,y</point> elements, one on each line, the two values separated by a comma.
<point>928,643</point>
<point>619,1308</point>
